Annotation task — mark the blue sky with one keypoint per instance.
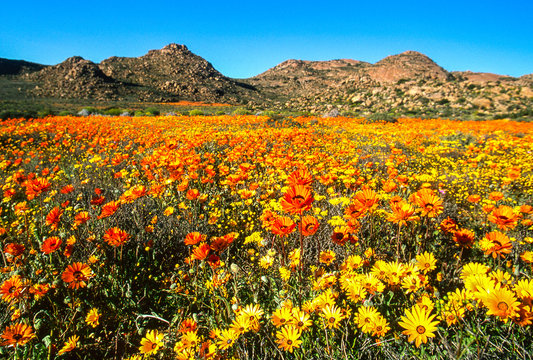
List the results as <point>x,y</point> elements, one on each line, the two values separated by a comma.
<point>245,38</point>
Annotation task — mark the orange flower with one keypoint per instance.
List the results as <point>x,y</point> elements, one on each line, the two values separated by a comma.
<point>18,334</point>
<point>448,225</point>
<point>501,245</point>
<point>14,249</point>
<point>36,187</point>
<point>109,209</point>
<point>192,194</point>
<point>76,275</point>
<point>81,218</point>
<point>283,226</point>
<point>194,238</point>
<point>464,238</point>
<point>221,243</point>
<point>401,213</point>
<point>504,217</point>
<point>116,236</point>
<point>268,218</point>
<point>51,244</point>
<point>363,201</point>
<point>12,288</point>
<point>201,251</point>
<point>495,196</point>
<point>473,198</point>
<point>67,189</point>
<point>53,217</point>
<point>300,177</point>
<point>308,225</point>
<point>297,200</point>
<point>430,204</point>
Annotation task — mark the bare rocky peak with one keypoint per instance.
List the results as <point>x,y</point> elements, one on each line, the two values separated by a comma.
<point>74,77</point>
<point>480,77</point>
<point>293,66</point>
<point>405,66</point>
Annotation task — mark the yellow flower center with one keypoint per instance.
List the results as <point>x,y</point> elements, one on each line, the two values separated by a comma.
<point>420,329</point>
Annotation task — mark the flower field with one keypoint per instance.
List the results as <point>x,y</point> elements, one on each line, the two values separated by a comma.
<point>216,237</point>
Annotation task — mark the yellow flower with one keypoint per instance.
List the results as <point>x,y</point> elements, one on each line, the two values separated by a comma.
<point>226,338</point>
<point>284,273</point>
<point>92,317</point>
<point>300,319</point>
<point>70,345</point>
<point>282,316</point>
<point>333,316</point>
<point>152,342</point>
<point>500,302</point>
<point>418,325</point>
<point>288,338</point>
<point>327,257</point>
<point>426,262</point>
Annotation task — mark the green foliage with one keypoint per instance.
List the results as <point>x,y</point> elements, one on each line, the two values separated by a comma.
<point>152,111</point>
<point>196,112</point>
<point>113,112</point>
<point>241,111</point>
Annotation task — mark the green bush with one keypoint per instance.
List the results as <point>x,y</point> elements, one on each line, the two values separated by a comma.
<point>113,112</point>
<point>45,112</point>
<point>91,110</point>
<point>241,111</point>
<point>196,112</point>
<point>152,111</point>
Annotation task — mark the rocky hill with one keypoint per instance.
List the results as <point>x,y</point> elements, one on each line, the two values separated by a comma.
<point>409,83</point>
<point>18,67</point>
<point>177,72</point>
<point>75,77</point>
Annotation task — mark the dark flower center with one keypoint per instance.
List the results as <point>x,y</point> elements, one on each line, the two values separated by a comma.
<point>289,342</point>
<point>503,306</point>
<point>420,329</point>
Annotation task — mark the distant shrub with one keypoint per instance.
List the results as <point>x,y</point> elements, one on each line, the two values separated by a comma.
<point>196,112</point>
<point>66,113</point>
<point>242,111</point>
<point>91,110</point>
<point>139,113</point>
<point>220,113</point>
<point>113,112</point>
<point>15,114</point>
<point>152,111</point>
<point>379,117</point>
<point>45,112</point>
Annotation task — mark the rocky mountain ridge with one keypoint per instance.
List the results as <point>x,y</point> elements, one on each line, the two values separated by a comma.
<point>407,83</point>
